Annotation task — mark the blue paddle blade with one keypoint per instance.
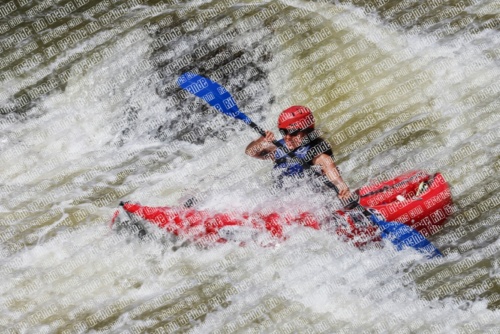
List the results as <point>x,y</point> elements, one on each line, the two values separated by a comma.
<point>403,236</point>
<point>213,93</point>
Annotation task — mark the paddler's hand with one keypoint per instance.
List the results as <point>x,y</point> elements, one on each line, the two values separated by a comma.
<point>262,148</point>
<point>349,200</point>
<point>269,137</point>
<point>344,193</point>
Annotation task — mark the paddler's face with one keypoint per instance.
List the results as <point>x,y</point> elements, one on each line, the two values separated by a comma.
<point>293,139</point>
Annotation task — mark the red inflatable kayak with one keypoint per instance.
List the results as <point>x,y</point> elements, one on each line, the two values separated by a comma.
<point>416,199</point>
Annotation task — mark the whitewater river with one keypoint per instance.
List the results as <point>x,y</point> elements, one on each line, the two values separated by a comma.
<point>90,115</point>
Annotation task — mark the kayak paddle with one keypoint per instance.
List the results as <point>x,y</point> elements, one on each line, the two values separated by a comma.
<point>401,235</point>
<point>219,98</point>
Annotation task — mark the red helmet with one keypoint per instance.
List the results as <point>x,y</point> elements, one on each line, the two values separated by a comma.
<point>296,118</point>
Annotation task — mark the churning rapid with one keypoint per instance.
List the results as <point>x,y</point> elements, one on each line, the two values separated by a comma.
<point>91,114</point>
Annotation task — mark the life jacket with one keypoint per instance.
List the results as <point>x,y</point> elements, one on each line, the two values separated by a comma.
<point>305,152</point>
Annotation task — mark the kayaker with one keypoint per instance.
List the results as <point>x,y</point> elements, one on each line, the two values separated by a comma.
<point>296,124</point>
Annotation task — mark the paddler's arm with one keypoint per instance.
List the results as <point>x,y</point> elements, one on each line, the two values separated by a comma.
<point>332,173</point>
<point>262,148</point>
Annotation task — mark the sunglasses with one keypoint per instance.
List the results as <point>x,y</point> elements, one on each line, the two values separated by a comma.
<point>292,133</point>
